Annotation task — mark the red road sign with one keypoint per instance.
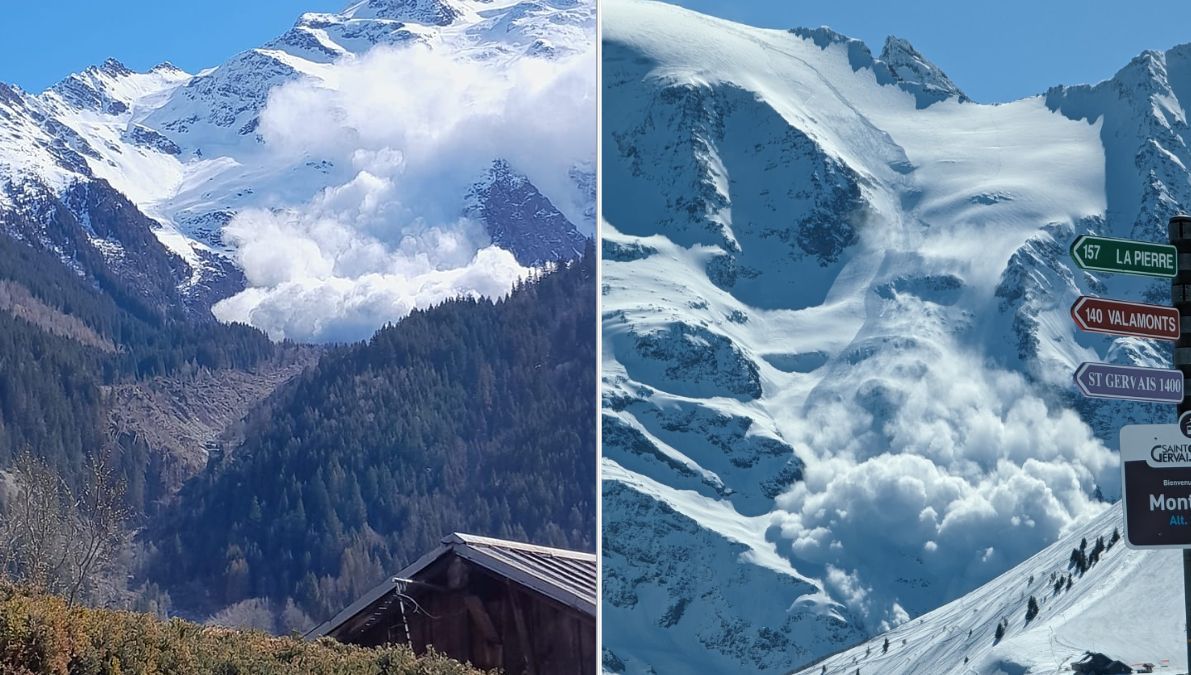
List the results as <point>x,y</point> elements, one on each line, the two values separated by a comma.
<point>1101,315</point>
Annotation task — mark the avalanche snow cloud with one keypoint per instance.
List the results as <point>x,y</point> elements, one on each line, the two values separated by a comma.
<point>417,127</point>
<point>837,350</point>
<point>359,165</point>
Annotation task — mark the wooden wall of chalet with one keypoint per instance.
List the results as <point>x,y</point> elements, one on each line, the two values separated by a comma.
<point>489,621</point>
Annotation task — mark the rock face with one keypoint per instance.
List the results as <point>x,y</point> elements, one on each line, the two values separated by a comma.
<point>432,12</point>
<point>900,64</point>
<point>522,220</point>
<point>835,296</point>
<point>693,360</point>
<point>915,74</point>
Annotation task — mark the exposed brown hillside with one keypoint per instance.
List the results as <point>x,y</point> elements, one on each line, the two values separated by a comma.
<point>178,421</point>
<point>18,301</point>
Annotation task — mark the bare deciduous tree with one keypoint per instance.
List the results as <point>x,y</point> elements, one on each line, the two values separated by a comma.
<point>55,538</point>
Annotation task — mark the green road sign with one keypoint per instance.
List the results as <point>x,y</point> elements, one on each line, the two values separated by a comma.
<point>1125,256</point>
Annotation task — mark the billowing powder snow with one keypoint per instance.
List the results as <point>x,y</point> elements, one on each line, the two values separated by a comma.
<point>815,280</point>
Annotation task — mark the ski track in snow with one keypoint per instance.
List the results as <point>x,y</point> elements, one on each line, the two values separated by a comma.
<point>1111,609</point>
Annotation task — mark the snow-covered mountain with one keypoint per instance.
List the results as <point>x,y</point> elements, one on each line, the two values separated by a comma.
<point>361,164</point>
<point>1123,603</point>
<point>837,349</point>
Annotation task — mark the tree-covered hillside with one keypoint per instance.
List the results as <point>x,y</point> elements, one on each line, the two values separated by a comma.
<point>66,334</point>
<point>474,416</point>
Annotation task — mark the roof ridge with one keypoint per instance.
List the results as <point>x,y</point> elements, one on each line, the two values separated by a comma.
<point>477,540</point>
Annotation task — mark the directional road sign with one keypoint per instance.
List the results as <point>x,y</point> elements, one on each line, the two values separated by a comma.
<point>1126,256</point>
<point>1104,380</point>
<point>1156,484</point>
<point>1115,317</point>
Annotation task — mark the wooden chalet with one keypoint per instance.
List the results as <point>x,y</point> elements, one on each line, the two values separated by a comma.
<point>492,603</point>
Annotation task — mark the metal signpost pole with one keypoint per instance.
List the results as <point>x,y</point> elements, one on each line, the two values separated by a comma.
<point>1179,230</point>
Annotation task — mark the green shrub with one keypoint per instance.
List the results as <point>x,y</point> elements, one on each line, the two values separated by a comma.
<point>41,635</point>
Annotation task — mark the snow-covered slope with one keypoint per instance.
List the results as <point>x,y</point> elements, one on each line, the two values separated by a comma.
<point>384,119</point>
<point>1127,605</point>
<point>837,348</point>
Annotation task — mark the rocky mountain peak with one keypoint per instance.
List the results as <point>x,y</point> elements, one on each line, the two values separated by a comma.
<point>114,68</point>
<point>430,12</point>
<point>1144,77</point>
<point>914,72</point>
<point>166,67</point>
<point>521,219</point>
<point>900,64</point>
<point>86,91</point>
<point>111,86</point>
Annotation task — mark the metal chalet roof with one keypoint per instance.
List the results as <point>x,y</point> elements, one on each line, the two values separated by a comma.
<point>568,577</point>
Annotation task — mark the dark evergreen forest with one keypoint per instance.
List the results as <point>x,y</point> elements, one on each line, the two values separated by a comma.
<point>51,386</point>
<point>474,416</point>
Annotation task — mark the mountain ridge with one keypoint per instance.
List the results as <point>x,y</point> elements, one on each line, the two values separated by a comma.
<point>896,276</point>
<point>189,151</point>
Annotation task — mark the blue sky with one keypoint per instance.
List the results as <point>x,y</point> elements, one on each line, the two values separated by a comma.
<point>42,42</point>
<point>994,51</point>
